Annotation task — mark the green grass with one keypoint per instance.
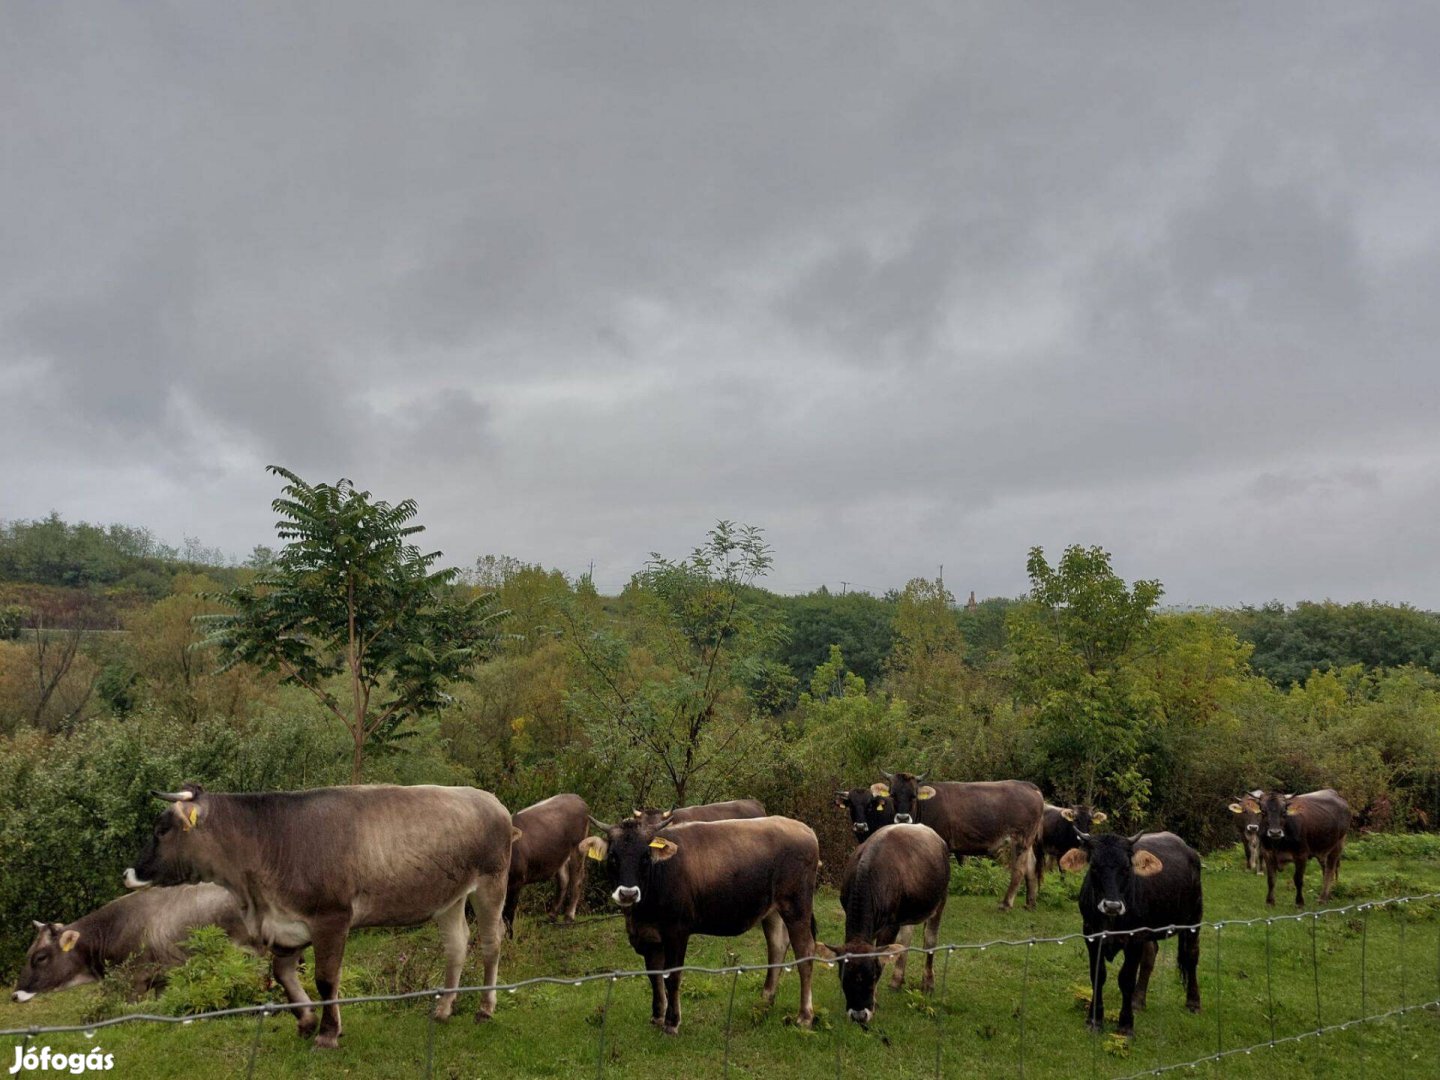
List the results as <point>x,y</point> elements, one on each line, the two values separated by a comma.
<point>974,1019</point>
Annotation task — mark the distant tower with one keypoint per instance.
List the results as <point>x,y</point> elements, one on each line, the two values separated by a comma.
<point>970,604</point>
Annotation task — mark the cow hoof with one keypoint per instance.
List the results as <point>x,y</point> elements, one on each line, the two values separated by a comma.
<point>806,1022</point>
<point>1095,1025</point>
<point>327,1042</point>
<point>658,1021</point>
<point>482,1015</point>
<point>1126,1031</point>
<point>671,1029</point>
<point>306,1028</point>
<point>1192,1006</point>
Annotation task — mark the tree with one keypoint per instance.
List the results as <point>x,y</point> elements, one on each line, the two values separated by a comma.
<point>671,697</point>
<point>350,605</point>
<point>1075,642</point>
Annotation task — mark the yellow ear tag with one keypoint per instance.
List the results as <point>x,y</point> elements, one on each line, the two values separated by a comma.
<point>880,804</point>
<point>66,946</point>
<point>1291,811</point>
<point>658,843</point>
<point>883,790</point>
<point>187,821</point>
<point>926,794</point>
<point>594,853</point>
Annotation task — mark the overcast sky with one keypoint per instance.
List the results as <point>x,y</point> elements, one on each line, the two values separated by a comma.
<point>903,284</point>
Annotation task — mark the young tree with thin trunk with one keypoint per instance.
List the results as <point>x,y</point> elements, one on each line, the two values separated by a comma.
<point>352,611</point>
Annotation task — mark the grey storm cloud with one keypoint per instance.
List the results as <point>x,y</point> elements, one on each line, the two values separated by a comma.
<point>903,284</point>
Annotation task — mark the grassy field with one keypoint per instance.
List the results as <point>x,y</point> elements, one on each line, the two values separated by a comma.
<point>974,1022</point>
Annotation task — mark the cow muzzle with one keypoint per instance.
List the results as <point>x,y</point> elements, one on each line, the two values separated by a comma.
<point>626,895</point>
<point>860,828</point>
<point>860,1016</point>
<point>904,819</point>
<point>1112,907</point>
<point>1275,834</point>
<point>21,996</point>
<point>1252,828</point>
<point>132,881</point>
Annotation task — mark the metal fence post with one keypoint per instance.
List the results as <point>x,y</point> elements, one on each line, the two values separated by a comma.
<point>605,1025</point>
<point>940,1012</point>
<point>255,1043</point>
<point>1024,997</point>
<point>730,1016</point>
<point>430,1041</point>
<point>1269,983</point>
<point>1219,1019</point>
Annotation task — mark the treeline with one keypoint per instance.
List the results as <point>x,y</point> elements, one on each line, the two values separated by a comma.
<point>693,683</point>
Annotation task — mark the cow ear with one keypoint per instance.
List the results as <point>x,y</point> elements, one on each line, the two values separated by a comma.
<point>662,849</point>
<point>637,813</point>
<point>1099,817</point>
<point>1251,805</point>
<point>1068,814</point>
<point>842,799</point>
<point>68,940</point>
<point>515,834</point>
<point>1073,860</point>
<point>890,952</point>
<point>881,789</point>
<point>825,952</point>
<point>1236,808</point>
<point>187,813</point>
<point>1146,864</point>
<point>594,847</point>
<point>927,792</point>
<point>1291,809</point>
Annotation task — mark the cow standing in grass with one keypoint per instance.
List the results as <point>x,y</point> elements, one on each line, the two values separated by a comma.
<point>1248,822</point>
<point>1134,888</point>
<point>306,867</point>
<point>148,928</point>
<point>977,819</point>
<point>895,881</point>
<point>550,832</point>
<point>1298,828</point>
<point>712,877</point>
<point>1060,830</point>
<point>868,812</point>
<point>731,810</point>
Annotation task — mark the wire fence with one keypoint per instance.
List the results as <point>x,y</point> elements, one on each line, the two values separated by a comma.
<point>1427,1000</point>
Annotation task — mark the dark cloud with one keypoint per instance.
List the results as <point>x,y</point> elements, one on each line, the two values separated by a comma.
<point>907,286</point>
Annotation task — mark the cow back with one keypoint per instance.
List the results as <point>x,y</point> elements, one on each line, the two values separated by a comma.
<point>978,818</point>
<point>1320,822</point>
<point>1173,896</point>
<point>549,833</point>
<point>898,877</point>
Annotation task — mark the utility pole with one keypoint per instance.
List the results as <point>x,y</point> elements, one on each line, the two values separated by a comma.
<point>844,587</point>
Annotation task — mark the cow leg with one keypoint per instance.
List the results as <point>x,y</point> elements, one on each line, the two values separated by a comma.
<point>1189,963</point>
<point>655,962</point>
<point>1270,868</point>
<point>1300,861</point>
<point>1329,872</point>
<point>284,965</point>
<point>1022,868</point>
<point>1032,877</point>
<point>932,938</point>
<point>1127,979</point>
<point>1147,965</point>
<point>577,884</point>
<point>904,937</point>
<point>488,900</point>
<point>675,949</point>
<point>1040,860</point>
<point>776,942</point>
<point>455,936</point>
<point>327,935</point>
<point>1096,1019</point>
<point>802,940</point>
<point>507,914</point>
<point>562,889</point>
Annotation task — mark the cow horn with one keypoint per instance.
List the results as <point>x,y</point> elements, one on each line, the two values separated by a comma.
<point>39,925</point>
<point>599,824</point>
<point>174,796</point>
<point>1257,794</point>
<point>1132,839</point>
<point>921,778</point>
<point>1084,836</point>
<point>889,776</point>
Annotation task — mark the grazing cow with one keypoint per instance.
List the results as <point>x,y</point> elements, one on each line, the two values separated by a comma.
<point>898,879</point>
<point>712,877</point>
<point>1060,830</point>
<point>307,866</point>
<point>977,819</point>
<point>550,834</point>
<point>150,927</point>
<point>1248,822</point>
<point>1298,828</point>
<point>869,813</point>
<point>732,810</point>
<point>1136,885</point>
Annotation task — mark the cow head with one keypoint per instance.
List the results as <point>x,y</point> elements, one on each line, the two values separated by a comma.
<point>57,960</point>
<point>1246,809</point>
<point>1114,865</point>
<point>630,852</point>
<point>1275,811</point>
<point>652,816</point>
<point>860,969</point>
<point>1082,820</point>
<point>869,812</point>
<point>174,853</point>
<point>906,792</point>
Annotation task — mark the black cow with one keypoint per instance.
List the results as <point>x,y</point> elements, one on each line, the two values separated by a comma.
<point>898,879</point>
<point>712,877</point>
<point>869,812</point>
<point>1298,828</point>
<point>1136,886</point>
<point>1060,830</point>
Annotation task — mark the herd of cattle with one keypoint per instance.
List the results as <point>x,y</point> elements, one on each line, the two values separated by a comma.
<point>279,871</point>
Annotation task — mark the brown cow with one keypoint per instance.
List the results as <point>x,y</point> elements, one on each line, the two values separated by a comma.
<point>733,810</point>
<point>897,879</point>
<point>1248,822</point>
<point>1060,830</point>
<point>149,928</point>
<point>307,866</point>
<point>977,819</point>
<point>550,832</point>
<point>1298,828</point>
<point>712,877</point>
